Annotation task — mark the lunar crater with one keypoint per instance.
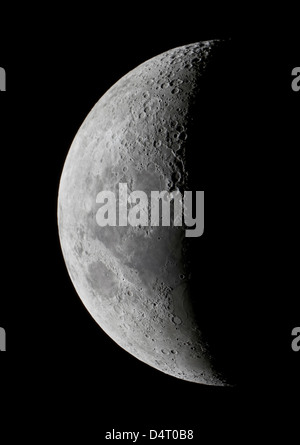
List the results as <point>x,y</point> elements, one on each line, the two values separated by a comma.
<point>134,280</point>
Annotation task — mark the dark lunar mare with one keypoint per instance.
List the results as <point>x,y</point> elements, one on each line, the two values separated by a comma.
<point>204,139</point>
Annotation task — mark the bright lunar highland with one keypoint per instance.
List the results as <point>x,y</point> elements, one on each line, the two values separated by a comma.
<point>135,281</point>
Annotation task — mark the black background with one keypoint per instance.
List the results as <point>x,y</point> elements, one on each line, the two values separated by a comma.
<point>61,371</point>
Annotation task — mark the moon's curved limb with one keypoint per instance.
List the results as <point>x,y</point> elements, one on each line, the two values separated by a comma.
<point>135,280</point>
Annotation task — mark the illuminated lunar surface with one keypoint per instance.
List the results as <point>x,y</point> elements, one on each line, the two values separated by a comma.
<point>134,281</point>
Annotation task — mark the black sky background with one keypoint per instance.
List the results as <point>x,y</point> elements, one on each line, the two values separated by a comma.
<point>57,67</point>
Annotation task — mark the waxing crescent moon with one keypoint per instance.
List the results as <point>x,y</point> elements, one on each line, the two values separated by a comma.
<point>134,281</point>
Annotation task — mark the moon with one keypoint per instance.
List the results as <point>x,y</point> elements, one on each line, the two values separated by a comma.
<point>135,281</point>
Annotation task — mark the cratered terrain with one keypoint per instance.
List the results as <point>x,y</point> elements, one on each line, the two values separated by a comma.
<point>137,282</point>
